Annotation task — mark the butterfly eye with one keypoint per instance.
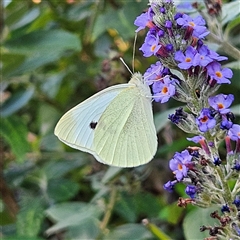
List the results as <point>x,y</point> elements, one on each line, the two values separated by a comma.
<point>93,125</point>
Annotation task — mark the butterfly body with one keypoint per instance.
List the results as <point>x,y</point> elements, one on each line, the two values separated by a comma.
<point>124,134</point>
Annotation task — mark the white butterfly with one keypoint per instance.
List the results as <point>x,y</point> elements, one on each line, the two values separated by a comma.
<point>115,125</point>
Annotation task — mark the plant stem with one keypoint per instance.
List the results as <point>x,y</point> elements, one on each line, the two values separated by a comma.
<point>226,46</point>
<point>109,209</point>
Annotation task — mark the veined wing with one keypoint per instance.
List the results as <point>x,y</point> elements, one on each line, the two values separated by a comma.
<point>76,127</point>
<point>125,135</point>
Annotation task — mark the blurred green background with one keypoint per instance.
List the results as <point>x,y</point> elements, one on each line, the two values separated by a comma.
<point>55,54</point>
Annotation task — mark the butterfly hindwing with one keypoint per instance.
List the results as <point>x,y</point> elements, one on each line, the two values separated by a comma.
<point>125,135</point>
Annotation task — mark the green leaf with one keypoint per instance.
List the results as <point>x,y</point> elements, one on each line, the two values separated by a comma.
<point>52,84</point>
<point>161,119</point>
<point>231,25</point>
<point>22,237</point>
<point>46,124</point>
<point>42,47</point>
<point>16,101</point>
<point>131,206</point>
<point>29,219</point>
<point>15,133</point>
<point>122,21</point>
<point>15,11</point>
<point>110,173</point>
<point>62,189</point>
<point>236,109</point>
<point>11,61</point>
<point>79,11</point>
<point>230,11</point>
<point>30,16</point>
<point>57,169</point>
<point>233,65</point>
<point>71,214</point>
<point>169,211</point>
<point>194,220</point>
<point>49,143</point>
<point>129,231</point>
<point>88,229</point>
<point>177,145</point>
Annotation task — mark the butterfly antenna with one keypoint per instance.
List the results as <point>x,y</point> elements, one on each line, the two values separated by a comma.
<point>126,65</point>
<point>134,51</point>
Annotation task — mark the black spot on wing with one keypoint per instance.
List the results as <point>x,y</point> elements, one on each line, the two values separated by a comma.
<point>93,125</point>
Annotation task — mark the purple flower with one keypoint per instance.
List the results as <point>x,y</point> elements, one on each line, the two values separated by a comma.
<point>144,20</point>
<point>217,161</point>
<point>178,116</point>
<point>162,10</point>
<point>180,163</point>
<point>215,56</point>
<point>169,185</point>
<point>221,102</point>
<point>160,33</point>
<point>236,166</point>
<point>202,141</point>
<point>206,120</point>
<point>226,123</point>
<point>178,15</point>
<point>163,90</point>
<point>169,47</point>
<point>141,21</point>
<point>151,45</point>
<point>196,139</point>
<point>220,75</point>
<point>197,24</point>
<point>186,61</point>
<point>191,191</point>
<point>237,201</point>
<point>236,228</point>
<point>168,24</point>
<point>153,73</point>
<point>202,57</point>
<point>225,208</point>
<point>234,132</point>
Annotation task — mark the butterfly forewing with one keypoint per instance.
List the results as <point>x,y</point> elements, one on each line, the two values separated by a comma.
<point>74,128</point>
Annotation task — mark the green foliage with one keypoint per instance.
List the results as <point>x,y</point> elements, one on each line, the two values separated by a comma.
<point>80,219</point>
<point>15,132</point>
<point>54,55</point>
<point>192,222</point>
<point>30,217</point>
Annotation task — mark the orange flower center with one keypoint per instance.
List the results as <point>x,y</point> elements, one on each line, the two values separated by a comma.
<point>220,106</point>
<point>204,119</point>
<point>188,59</point>
<point>192,24</point>
<point>219,74</point>
<point>165,90</point>
<point>153,48</point>
<point>180,167</point>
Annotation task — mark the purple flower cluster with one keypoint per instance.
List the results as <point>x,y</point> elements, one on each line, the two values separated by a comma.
<point>190,72</point>
<point>176,39</point>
